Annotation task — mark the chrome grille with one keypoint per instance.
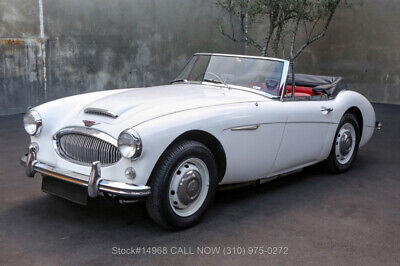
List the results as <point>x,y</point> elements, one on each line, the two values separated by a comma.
<point>87,149</point>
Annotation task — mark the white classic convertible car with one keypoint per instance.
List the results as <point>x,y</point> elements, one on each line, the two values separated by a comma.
<point>226,119</point>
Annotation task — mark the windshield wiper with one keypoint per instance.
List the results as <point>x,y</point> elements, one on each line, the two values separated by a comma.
<point>179,80</point>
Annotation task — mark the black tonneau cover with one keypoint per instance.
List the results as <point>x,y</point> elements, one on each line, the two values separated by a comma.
<point>323,84</point>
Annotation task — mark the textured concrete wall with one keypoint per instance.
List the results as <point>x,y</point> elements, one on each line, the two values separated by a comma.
<point>100,44</point>
<point>20,64</point>
<point>363,45</point>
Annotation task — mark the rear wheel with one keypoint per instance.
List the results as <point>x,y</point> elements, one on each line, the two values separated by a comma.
<point>183,185</point>
<point>345,145</point>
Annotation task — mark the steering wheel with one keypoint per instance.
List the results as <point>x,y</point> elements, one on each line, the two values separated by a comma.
<point>215,75</point>
<point>271,85</point>
<point>218,77</point>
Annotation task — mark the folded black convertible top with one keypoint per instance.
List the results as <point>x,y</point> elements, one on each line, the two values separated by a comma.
<point>323,84</point>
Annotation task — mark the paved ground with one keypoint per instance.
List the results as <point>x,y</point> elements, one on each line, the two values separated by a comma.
<point>323,219</point>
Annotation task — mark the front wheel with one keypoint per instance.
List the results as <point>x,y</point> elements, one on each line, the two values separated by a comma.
<point>183,185</point>
<point>345,145</point>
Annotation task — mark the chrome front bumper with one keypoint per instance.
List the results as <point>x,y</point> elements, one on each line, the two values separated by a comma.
<point>93,181</point>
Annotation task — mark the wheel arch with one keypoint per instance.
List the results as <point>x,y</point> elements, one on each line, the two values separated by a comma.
<point>357,112</point>
<point>210,141</point>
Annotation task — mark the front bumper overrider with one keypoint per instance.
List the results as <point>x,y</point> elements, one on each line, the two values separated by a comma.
<point>93,181</point>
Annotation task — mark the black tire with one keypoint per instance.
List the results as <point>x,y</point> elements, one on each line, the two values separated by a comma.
<point>332,163</point>
<point>157,203</point>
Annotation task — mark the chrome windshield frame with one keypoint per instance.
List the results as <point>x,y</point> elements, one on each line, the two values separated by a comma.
<point>282,84</point>
<point>285,73</point>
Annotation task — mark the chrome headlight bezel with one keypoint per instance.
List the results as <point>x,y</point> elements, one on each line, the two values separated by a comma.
<point>130,144</point>
<point>33,123</point>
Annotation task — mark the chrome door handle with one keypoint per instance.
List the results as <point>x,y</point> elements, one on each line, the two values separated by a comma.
<point>326,109</point>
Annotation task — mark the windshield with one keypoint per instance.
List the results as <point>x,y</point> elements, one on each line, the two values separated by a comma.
<point>259,74</point>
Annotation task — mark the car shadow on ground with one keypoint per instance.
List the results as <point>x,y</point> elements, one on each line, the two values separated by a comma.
<point>104,215</point>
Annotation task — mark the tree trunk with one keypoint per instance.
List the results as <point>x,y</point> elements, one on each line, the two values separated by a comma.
<point>264,51</point>
<point>277,39</point>
<point>246,40</point>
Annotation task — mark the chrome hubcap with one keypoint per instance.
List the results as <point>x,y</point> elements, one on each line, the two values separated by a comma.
<point>345,143</point>
<point>189,187</point>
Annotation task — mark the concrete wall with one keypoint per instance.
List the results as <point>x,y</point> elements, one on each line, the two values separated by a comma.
<point>20,64</point>
<point>100,44</point>
<point>363,45</point>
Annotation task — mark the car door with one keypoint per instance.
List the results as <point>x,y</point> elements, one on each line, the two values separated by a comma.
<point>252,141</point>
<point>305,133</point>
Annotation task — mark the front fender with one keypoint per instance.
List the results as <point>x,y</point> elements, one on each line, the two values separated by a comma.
<point>159,133</point>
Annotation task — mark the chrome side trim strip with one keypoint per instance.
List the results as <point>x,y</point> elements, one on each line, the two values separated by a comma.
<point>249,127</point>
<point>256,126</point>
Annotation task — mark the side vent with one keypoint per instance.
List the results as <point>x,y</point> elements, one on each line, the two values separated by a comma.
<point>100,112</point>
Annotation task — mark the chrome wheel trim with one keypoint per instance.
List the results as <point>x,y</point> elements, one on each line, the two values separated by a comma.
<point>345,143</point>
<point>189,186</point>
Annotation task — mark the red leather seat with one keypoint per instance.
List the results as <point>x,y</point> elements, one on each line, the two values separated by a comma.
<point>300,91</point>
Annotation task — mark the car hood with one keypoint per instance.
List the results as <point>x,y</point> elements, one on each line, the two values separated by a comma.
<point>143,104</point>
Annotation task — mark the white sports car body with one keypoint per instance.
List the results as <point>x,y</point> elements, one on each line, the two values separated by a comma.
<point>239,108</point>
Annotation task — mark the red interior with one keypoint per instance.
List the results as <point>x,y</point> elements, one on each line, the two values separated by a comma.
<point>300,91</point>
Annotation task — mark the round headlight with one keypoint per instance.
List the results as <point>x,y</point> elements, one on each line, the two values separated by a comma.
<point>130,144</point>
<point>32,123</point>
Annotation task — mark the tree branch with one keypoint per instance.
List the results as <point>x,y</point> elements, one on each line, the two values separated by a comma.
<point>319,35</point>
<point>313,27</point>
<point>231,18</point>
<point>294,39</point>
<point>246,38</point>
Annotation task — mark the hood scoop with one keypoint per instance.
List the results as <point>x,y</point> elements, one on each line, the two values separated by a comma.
<point>100,112</point>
